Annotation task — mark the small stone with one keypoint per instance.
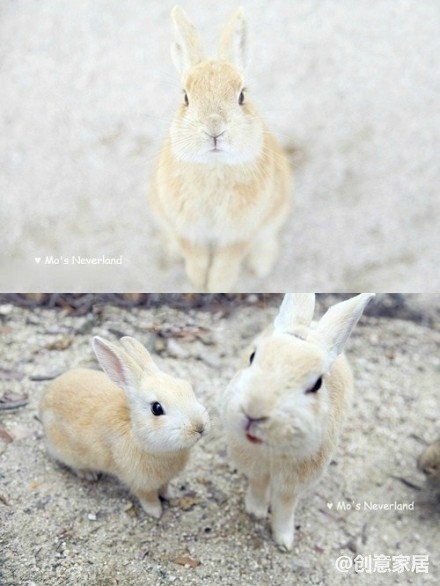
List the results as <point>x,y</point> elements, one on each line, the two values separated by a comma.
<point>188,501</point>
<point>60,344</point>
<point>175,350</point>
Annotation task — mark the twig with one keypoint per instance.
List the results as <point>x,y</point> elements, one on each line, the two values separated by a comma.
<point>407,482</point>
<point>13,404</point>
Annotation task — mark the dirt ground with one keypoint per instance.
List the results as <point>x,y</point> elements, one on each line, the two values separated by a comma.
<point>57,529</point>
<point>350,88</point>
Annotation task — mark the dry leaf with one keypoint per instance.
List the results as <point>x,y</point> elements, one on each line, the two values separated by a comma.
<point>4,435</point>
<point>13,400</point>
<point>60,344</point>
<point>186,561</point>
<point>188,501</point>
<point>130,510</point>
<point>4,500</point>
<point>9,374</point>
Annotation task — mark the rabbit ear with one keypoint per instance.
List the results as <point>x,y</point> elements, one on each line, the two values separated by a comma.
<point>296,311</point>
<point>338,322</point>
<point>139,354</point>
<point>118,366</point>
<point>233,46</point>
<point>186,50</point>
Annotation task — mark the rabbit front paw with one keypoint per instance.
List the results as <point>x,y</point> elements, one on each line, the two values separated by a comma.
<point>257,503</point>
<point>152,506</point>
<point>262,257</point>
<point>284,539</point>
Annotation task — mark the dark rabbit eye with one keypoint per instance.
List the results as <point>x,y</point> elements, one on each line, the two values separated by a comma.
<point>316,386</point>
<point>185,98</point>
<point>241,98</point>
<point>157,409</point>
<point>251,357</point>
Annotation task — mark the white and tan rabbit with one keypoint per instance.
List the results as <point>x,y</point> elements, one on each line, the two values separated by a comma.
<point>221,186</point>
<point>284,410</point>
<point>137,423</point>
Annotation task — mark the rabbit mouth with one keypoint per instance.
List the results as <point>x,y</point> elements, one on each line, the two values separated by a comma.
<point>253,439</point>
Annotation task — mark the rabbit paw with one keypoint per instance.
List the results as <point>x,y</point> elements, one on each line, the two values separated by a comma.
<point>284,540</point>
<point>165,493</point>
<point>262,257</point>
<point>256,507</point>
<point>152,508</point>
<point>89,475</point>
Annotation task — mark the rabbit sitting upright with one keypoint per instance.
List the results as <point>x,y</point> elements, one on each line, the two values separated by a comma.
<point>221,186</point>
<point>284,409</point>
<point>135,421</point>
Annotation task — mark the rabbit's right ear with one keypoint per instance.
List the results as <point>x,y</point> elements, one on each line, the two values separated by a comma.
<point>296,311</point>
<point>233,45</point>
<point>140,354</point>
<point>338,322</point>
<point>119,367</point>
<point>186,50</point>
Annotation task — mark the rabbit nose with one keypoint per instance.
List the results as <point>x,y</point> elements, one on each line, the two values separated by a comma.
<point>251,420</point>
<point>215,125</point>
<point>215,136</point>
<point>199,428</point>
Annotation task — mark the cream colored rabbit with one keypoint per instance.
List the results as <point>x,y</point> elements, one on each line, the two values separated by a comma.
<point>284,410</point>
<point>221,186</point>
<point>137,423</point>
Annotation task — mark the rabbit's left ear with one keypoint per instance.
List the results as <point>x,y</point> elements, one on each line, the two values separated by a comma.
<point>338,322</point>
<point>139,354</point>
<point>296,311</point>
<point>118,365</point>
<point>233,46</point>
<point>186,50</point>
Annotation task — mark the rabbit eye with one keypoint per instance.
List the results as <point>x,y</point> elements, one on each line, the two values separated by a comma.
<point>251,357</point>
<point>241,98</point>
<point>316,386</point>
<point>185,98</point>
<point>157,409</point>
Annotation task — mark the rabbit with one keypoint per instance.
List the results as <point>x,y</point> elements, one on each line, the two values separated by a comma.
<point>133,421</point>
<point>220,189</point>
<point>429,463</point>
<point>284,409</point>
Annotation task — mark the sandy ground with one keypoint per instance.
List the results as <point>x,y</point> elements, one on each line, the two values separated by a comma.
<point>58,529</point>
<point>87,92</point>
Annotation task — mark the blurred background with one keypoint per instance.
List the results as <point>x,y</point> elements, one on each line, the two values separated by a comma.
<point>350,89</point>
<point>423,309</point>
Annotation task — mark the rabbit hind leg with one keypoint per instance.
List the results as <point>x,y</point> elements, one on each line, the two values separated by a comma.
<point>257,496</point>
<point>224,268</point>
<point>90,475</point>
<point>263,253</point>
<point>197,261</point>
